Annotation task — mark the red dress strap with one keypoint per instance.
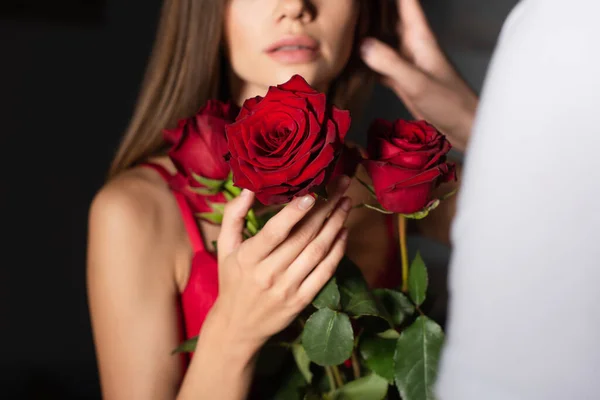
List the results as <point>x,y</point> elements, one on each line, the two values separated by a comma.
<point>202,288</point>
<point>184,208</point>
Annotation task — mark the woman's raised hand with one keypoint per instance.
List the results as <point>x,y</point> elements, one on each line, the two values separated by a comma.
<point>265,281</point>
<point>421,75</point>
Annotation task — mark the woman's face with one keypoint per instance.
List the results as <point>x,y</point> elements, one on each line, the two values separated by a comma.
<point>268,41</point>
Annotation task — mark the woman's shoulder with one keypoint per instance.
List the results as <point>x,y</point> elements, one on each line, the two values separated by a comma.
<point>136,193</point>
<point>137,207</point>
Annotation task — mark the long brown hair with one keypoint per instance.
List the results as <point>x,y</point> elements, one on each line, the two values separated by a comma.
<point>186,69</point>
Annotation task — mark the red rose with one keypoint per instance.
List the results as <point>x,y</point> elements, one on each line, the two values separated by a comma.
<point>199,146</point>
<point>406,162</point>
<point>285,144</point>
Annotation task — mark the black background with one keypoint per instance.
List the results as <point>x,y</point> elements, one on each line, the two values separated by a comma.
<point>69,75</point>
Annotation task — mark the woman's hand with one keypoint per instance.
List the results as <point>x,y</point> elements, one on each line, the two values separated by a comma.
<point>267,280</point>
<point>421,75</point>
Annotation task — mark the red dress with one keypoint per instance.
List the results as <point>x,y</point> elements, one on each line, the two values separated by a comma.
<point>202,287</point>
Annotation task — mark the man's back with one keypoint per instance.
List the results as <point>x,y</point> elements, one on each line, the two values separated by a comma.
<point>525,306</point>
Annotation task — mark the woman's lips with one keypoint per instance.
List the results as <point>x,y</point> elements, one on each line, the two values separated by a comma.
<point>294,50</point>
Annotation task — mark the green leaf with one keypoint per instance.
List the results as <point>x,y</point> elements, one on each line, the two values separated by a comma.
<point>203,191</point>
<point>389,334</point>
<point>328,337</point>
<point>231,188</point>
<point>214,217</point>
<point>228,196</point>
<point>417,358</point>
<point>378,354</point>
<point>356,298</point>
<point>370,387</point>
<point>329,296</point>
<point>396,304</point>
<point>302,361</point>
<point>215,184</point>
<point>291,387</point>
<point>186,347</point>
<point>418,280</point>
<point>425,211</point>
<point>313,394</point>
<point>217,207</point>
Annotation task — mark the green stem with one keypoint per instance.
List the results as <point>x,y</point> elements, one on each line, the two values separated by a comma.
<point>330,379</point>
<point>253,223</point>
<point>370,207</point>
<point>233,192</point>
<point>232,189</point>
<point>252,229</point>
<point>355,366</point>
<point>403,251</point>
<point>338,377</point>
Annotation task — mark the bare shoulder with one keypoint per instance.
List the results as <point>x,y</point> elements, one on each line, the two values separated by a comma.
<point>135,201</point>
<point>133,218</point>
<point>131,197</point>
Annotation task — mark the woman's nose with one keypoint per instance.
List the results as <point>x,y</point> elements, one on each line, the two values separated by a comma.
<point>294,9</point>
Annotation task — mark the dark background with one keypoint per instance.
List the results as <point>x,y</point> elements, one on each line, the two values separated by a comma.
<point>69,75</point>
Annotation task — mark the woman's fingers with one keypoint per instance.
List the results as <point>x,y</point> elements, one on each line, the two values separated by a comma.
<point>276,230</point>
<point>412,19</point>
<point>315,281</point>
<point>303,234</point>
<point>234,221</point>
<point>319,248</point>
<point>386,61</point>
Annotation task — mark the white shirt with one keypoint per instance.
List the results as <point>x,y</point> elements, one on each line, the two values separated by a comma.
<point>524,320</point>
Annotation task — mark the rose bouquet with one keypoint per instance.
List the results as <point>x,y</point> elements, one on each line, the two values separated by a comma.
<point>353,342</point>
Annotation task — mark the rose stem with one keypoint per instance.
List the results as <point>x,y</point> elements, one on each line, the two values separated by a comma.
<point>332,385</point>
<point>403,251</point>
<point>355,366</point>
<point>337,376</point>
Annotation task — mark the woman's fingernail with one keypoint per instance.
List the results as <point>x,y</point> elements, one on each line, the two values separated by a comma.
<point>344,181</point>
<point>344,234</point>
<point>306,202</point>
<point>346,204</point>
<point>365,47</point>
<point>245,193</point>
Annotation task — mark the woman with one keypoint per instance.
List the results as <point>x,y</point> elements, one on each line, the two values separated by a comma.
<point>140,240</point>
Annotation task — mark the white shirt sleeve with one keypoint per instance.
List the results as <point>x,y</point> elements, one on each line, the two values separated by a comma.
<point>524,318</point>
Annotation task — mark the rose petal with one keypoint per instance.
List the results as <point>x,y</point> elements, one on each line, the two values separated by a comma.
<point>248,107</point>
<point>288,175</point>
<point>417,160</point>
<point>317,104</point>
<point>297,84</point>
<point>406,200</point>
<point>342,119</point>
<point>440,157</point>
<point>319,163</point>
<point>378,132</point>
<point>399,191</point>
<point>202,144</point>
